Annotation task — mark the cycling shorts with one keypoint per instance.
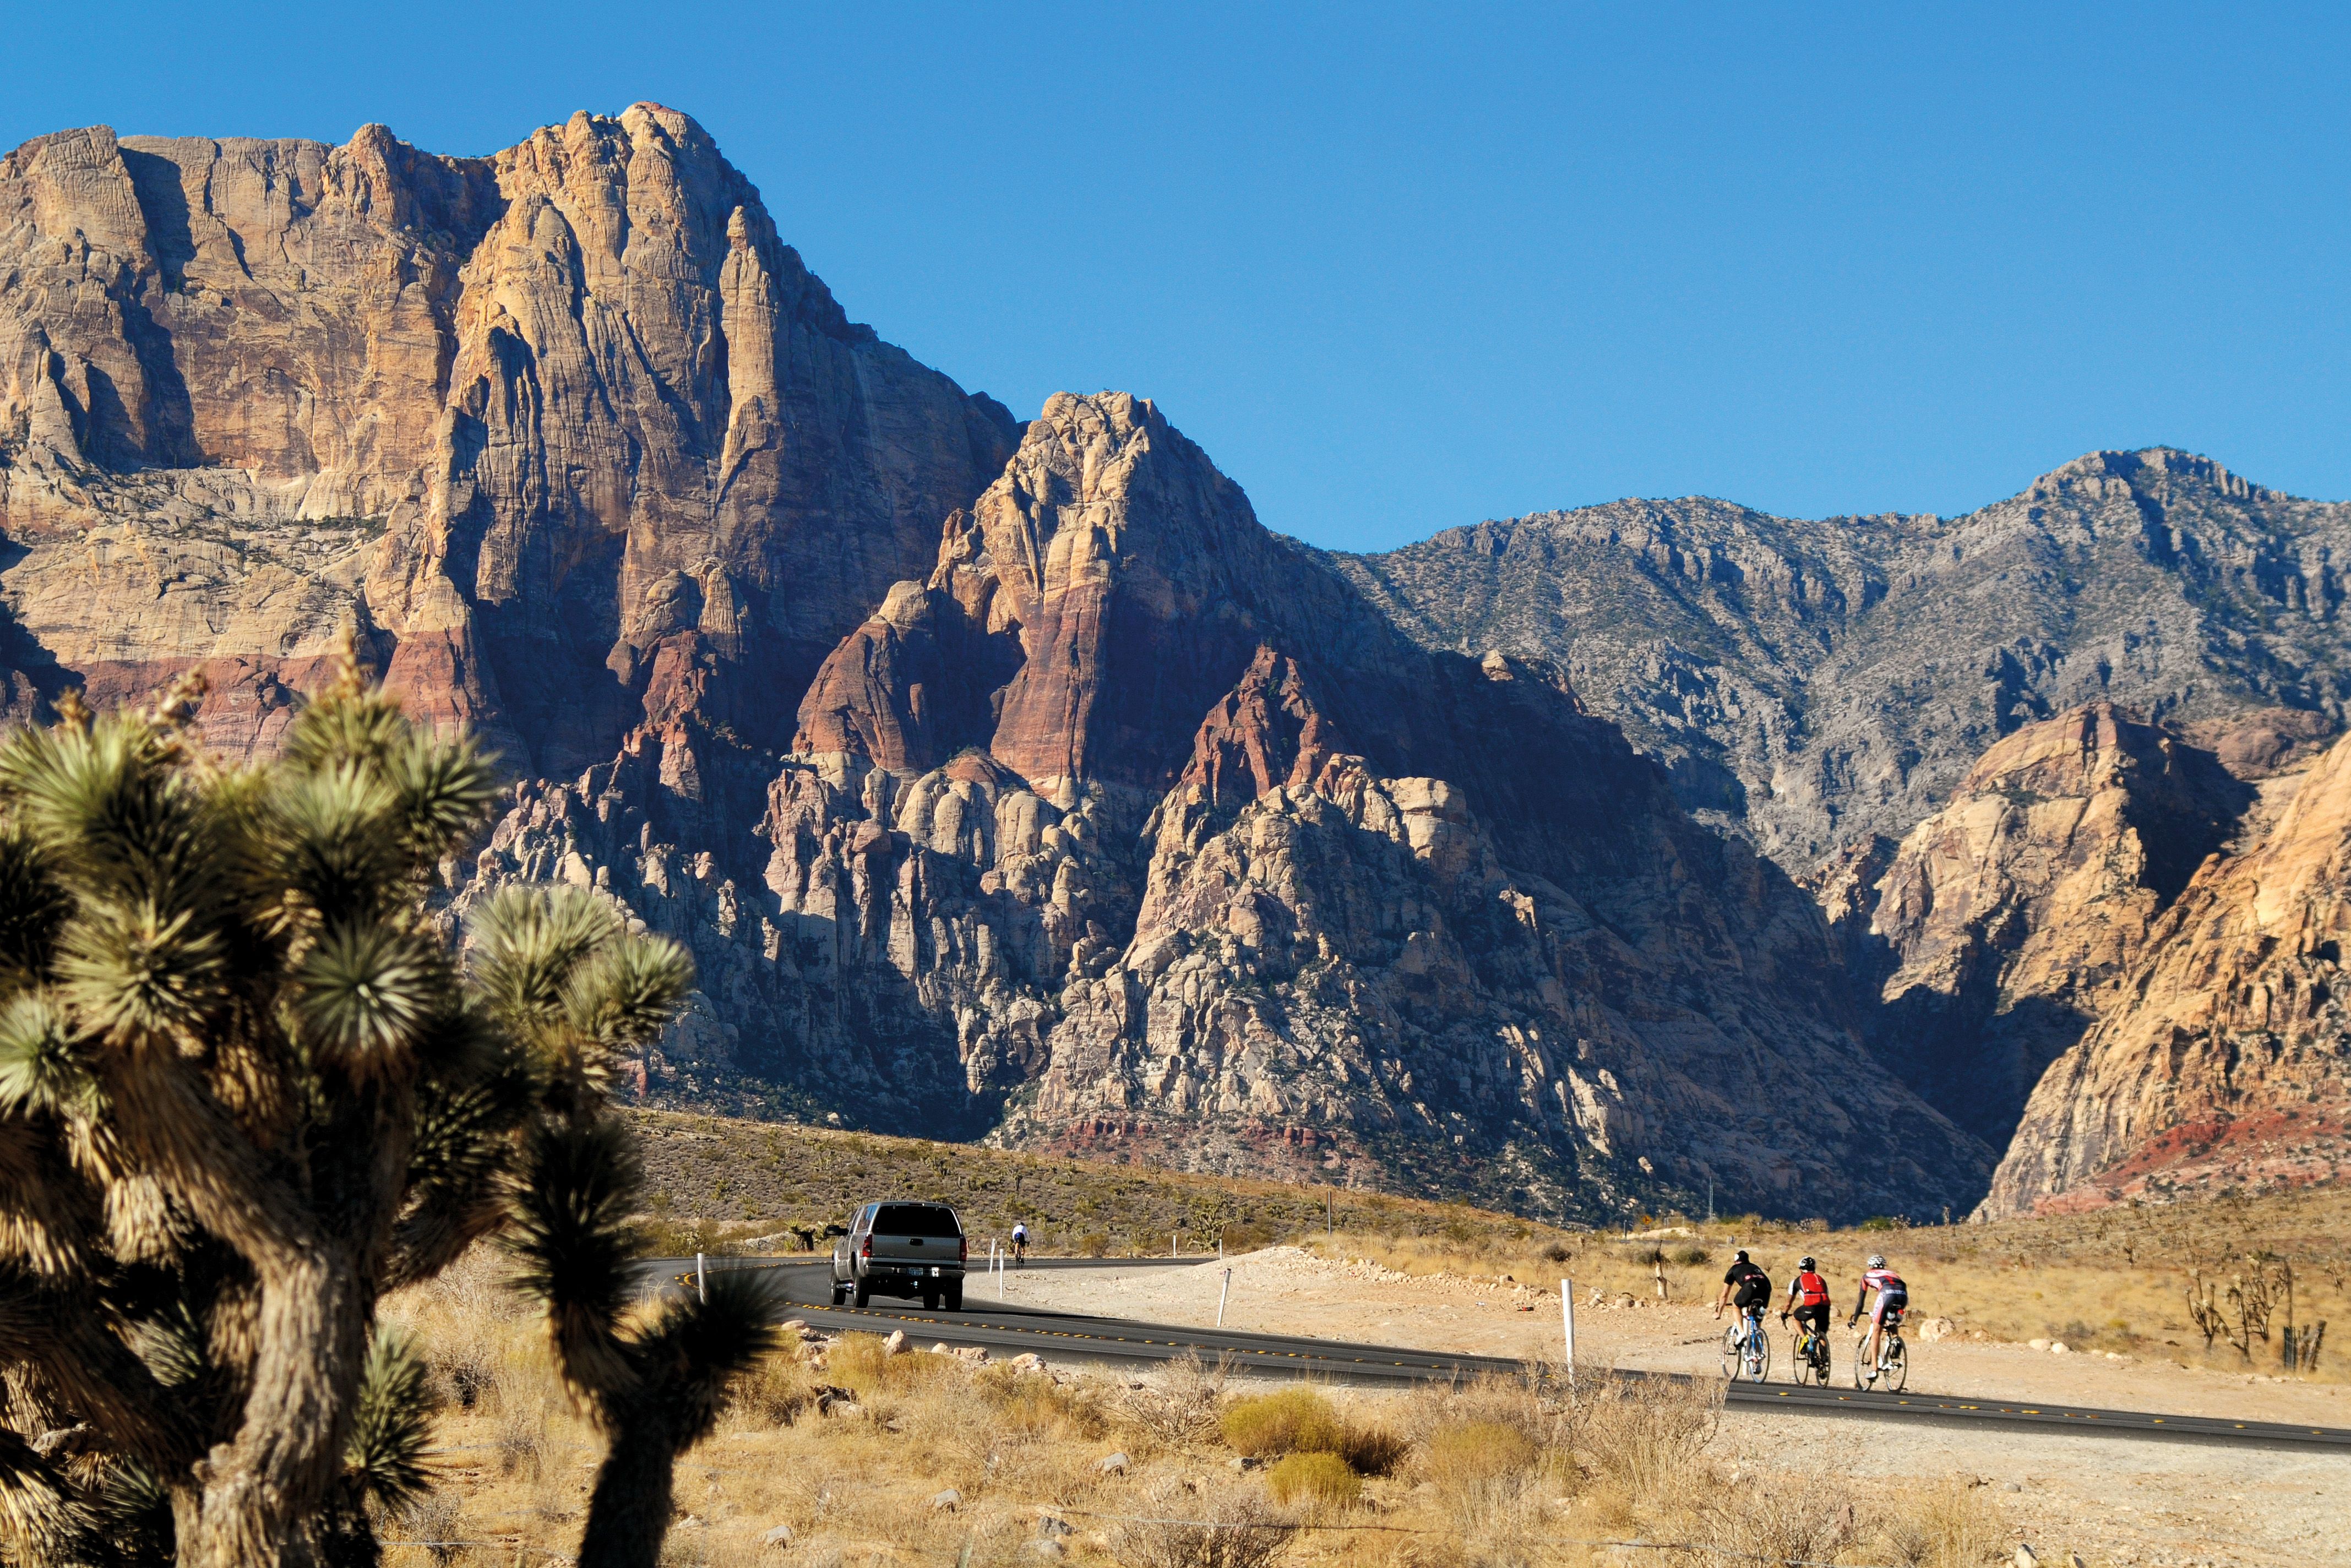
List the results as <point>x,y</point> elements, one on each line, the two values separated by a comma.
<point>1752,1296</point>
<point>1814,1318</point>
<point>1888,1302</point>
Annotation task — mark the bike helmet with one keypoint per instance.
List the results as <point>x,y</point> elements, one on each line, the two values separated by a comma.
<point>1877,1262</point>
<point>1805,1264</point>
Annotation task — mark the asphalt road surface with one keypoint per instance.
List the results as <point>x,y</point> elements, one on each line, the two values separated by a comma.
<point>1009,1329</point>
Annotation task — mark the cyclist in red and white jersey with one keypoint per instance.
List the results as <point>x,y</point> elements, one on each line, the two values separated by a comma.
<point>1808,1299</point>
<point>1893,1295</point>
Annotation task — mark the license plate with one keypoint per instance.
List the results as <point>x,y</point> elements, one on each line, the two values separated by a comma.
<point>935,1274</point>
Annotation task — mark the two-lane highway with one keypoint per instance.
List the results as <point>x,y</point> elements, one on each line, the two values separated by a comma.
<point>1009,1328</point>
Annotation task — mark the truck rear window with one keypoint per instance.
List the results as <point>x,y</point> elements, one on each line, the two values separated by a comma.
<point>916,1220</point>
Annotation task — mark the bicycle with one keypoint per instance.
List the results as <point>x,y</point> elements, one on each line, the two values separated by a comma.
<point>1813,1358</point>
<point>1747,1349</point>
<point>1893,1364</point>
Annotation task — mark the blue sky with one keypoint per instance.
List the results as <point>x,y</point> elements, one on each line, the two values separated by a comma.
<point>1401,267</point>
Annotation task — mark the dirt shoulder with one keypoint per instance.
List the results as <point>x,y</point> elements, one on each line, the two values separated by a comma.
<point>1285,1290</point>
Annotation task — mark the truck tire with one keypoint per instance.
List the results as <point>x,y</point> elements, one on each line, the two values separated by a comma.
<point>930,1298</point>
<point>861,1295</point>
<point>840,1293</point>
<point>953,1296</point>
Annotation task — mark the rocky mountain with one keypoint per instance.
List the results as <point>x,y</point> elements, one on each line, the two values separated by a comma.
<point>1014,781</point>
<point>1814,684</point>
<point>1005,781</point>
<point>2226,1055</point>
<point>1130,829</point>
<point>562,430</point>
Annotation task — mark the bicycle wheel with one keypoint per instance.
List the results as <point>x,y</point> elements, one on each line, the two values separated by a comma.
<point>1759,1356</point>
<point>1806,1367</point>
<point>1897,1365</point>
<point>1730,1343</point>
<point>1860,1364</point>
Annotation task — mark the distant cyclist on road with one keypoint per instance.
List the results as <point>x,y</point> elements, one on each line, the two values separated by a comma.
<point>1893,1295</point>
<point>1808,1300</point>
<point>1752,1285</point>
<point>1019,1244</point>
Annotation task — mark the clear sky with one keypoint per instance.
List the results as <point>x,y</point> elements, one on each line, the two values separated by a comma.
<point>1403,268</point>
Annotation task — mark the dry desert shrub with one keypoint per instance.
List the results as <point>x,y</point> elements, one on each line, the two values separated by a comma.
<point>1300,1420</point>
<point>1227,1527</point>
<point>1319,1482</point>
<point>1948,1526</point>
<point>1644,1434</point>
<point>861,1362</point>
<point>1477,1455</point>
<point>1777,1517</point>
<point>1489,1397</point>
<point>776,1393</point>
<point>1180,1404</point>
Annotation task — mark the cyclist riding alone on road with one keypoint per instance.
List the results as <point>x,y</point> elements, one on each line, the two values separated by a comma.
<point>1753,1286</point>
<point>1893,1295</point>
<point>1019,1244</point>
<point>1808,1300</point>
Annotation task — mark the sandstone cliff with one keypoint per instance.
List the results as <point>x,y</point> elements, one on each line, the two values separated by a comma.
<point>1226,873</point>
<point>2227,1054</point>
<point>2004,923</point>
<point>555,428</point>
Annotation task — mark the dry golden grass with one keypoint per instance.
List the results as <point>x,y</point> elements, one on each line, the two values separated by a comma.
<point>1478,1472</point>
<point>717,1183</point>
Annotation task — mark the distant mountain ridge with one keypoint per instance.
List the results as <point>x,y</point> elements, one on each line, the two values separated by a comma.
<point>1811,684</point>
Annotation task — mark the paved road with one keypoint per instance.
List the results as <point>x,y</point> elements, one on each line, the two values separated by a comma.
<point>1011,1329</point>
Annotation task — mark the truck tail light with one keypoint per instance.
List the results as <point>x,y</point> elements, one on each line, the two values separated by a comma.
<point>867,1250</point>
<point>963,1248</point>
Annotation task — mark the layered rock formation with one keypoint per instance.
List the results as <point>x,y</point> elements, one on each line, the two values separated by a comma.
<point>2227,1056</point>
<point>1017,782</point>
<point>559,429</point>
<point>2004,923</point>
<point>1814,684</point>
<point>1226,872</point>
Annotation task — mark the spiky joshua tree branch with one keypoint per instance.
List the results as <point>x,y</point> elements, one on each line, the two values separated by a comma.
<point>245,1087</point>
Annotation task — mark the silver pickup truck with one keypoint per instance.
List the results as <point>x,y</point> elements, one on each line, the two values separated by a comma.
<point>903,1249</point>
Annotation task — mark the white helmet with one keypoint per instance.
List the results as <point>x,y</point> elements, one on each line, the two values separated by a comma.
<point>1877,1262</point>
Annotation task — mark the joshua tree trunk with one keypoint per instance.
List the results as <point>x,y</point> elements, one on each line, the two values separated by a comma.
<point>628,1513</point>
<point>264,1491</point>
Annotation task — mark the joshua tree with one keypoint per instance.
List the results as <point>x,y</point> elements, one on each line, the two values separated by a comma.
<point>245,1087</point>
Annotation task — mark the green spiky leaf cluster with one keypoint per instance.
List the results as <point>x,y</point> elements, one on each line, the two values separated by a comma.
<point>248,1084</point>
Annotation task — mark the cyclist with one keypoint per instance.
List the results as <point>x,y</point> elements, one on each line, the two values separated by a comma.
<point>1020,1244</point>
<point>1808,1300</point>
<point>1753,1286</point>
<point>1893,1295</point>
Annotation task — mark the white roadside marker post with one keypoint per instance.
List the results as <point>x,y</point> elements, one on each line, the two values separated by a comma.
<point>1567,1322</point>
<point>701,1280</point>
<point>1220,1298</point>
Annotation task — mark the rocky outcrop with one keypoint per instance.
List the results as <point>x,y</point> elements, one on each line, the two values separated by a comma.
<point>2227,1055</point>
<point>2004,924</point>
<point>552,427</point>
<point>1810,684</point>
<point>1226,872</point>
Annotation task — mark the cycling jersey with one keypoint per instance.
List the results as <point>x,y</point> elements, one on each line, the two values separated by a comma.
<point>1754,1285</point>
<point>1893,1295</point>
